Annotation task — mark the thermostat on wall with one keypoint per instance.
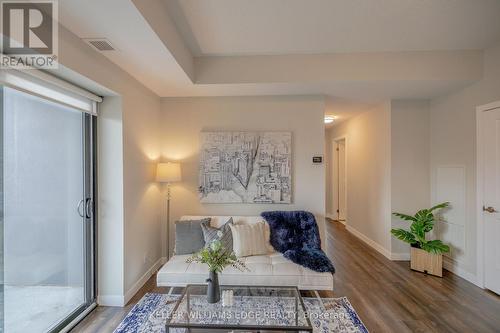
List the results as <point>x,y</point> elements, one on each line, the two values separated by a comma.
<point>318,159</point>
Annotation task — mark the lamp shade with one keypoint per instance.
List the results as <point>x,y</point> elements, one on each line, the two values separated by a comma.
<point>168,172</point>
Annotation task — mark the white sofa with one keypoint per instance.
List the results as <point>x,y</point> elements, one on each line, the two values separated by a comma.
<point>265,270</point>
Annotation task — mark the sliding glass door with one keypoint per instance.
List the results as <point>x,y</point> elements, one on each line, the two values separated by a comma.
<point>48,212</point>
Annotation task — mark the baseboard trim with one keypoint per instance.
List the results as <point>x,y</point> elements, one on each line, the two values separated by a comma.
<point>454,267</point>
<point>448,264</point>
<point>122,300</point>
<point>142,280</point>
<point>379,248</point>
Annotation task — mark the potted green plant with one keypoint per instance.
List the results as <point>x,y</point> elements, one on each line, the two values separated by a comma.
<point>217,258</point>
<point>426,255</point>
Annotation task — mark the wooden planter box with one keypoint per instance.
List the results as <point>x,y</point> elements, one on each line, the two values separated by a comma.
<point>426,262</point>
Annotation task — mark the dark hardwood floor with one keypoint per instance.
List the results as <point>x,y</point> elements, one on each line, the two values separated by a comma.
<point>386,294</point>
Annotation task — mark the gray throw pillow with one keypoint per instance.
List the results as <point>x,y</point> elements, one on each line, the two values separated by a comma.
<point>189,236</point>
<point>210,234</point>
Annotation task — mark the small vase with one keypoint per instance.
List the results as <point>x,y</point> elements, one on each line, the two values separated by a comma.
<point>213,289</point>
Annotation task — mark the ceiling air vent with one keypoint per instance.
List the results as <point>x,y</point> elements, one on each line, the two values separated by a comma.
<point>100,44</point>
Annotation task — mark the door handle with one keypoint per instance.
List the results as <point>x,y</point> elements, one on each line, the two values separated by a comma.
<point>89,205</point>
<point>79,208</point>
<point>489,209</point>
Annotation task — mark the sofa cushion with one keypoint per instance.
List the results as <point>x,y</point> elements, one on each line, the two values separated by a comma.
<point>249,239</point>
<point>218,221</point>
<point>189,236</point>
<point>265,270</point>
<point>223,234</point>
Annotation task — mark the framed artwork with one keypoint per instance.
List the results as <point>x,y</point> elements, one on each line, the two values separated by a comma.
<point>245,167</point>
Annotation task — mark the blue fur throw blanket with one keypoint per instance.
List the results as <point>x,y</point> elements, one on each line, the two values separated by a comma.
<point>295,234</point>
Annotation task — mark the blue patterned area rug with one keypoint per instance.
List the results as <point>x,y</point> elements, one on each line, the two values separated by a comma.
<point>149,315</point>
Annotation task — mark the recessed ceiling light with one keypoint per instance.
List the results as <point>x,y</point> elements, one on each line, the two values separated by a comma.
<point>329,119</point>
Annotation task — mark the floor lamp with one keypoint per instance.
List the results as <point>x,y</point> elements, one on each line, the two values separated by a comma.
<point>168,173</point>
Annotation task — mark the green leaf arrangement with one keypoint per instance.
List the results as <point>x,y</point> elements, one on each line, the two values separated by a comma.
<point>421,223</point>
<point>217,258</point>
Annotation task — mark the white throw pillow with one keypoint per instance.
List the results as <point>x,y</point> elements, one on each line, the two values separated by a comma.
<point>267,237</point>
<point>249,239</point>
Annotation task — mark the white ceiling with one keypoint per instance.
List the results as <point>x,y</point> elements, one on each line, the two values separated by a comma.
<point>243,27</point>
<point>152,37</point>
<point>138,46</point>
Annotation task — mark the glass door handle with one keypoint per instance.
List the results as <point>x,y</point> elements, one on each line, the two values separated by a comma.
<point>89,207</point>
<point>79,208</point>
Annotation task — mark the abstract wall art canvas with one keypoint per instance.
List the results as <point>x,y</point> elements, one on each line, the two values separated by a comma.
<point>246,167</point>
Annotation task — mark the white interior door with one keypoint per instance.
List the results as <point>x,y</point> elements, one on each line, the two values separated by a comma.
<point>491,195</point>
<point>342,180</point>
<point>339,197</point>
<point>335,180</point>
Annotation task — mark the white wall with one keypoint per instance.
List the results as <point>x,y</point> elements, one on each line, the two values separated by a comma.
<point>452,156</point>
<point>184,118</point>
<point>368,155</point>
<point>134,201</point>
<point>410,172</point>
<point>110,227</point>
<point>141,193</point>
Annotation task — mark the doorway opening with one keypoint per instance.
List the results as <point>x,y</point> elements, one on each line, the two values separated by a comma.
<point>339,178</point>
